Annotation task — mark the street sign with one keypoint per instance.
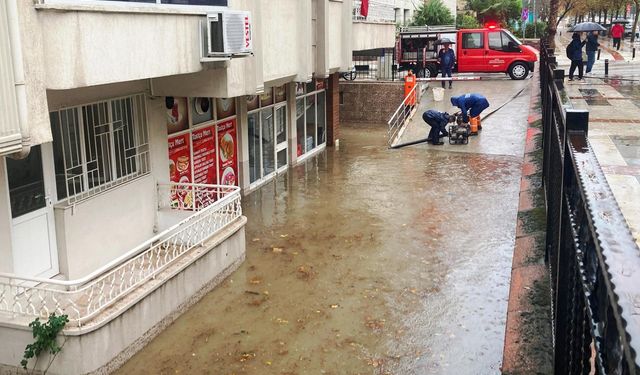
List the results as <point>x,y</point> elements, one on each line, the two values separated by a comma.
<point>525,13</point>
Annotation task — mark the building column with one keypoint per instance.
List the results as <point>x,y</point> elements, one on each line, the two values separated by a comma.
<point>333,110</point>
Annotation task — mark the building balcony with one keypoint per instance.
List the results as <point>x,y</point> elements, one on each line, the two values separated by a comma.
<point>377,29</point>
<point>200,240</point>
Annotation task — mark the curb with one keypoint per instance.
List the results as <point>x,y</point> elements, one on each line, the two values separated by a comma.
<point>527,343</point>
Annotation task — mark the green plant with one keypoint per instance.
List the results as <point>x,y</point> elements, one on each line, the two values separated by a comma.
<point>501,11</point>
<point>433,12</point>
<point>46,339</point>
<point>466,21</point>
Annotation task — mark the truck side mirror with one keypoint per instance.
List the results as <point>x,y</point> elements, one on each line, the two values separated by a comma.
<point>512,47</point>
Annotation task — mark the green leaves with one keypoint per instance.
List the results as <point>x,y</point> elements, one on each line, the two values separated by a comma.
<point>432,13</point>
<point>45,338</point>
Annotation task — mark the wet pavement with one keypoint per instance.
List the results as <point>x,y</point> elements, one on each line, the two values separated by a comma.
<point>363,260</point>
<point>613,103</point>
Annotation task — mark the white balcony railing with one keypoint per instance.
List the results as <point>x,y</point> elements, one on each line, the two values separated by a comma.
<point>198,212</point>
<point>379,11</point>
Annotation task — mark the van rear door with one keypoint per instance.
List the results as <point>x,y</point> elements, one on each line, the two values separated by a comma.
<point>502,51</point>
<point>471,51</point>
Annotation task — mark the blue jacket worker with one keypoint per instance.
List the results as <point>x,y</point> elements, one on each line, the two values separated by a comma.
<point>438,122</point>
<point>447,59</point>
<point>471,105</point>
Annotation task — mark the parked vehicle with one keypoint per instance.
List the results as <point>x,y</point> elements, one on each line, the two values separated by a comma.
<point>627,30</point>
<point>486,50</point>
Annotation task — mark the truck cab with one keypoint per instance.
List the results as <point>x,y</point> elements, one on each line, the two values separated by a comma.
<point>486,50</point>
<point>494,50</point>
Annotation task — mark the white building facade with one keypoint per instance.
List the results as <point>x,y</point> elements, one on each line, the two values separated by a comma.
<point>125,148</point>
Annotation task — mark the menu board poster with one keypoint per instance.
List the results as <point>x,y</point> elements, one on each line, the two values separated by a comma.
<point>177,112</point>
<point>225,107</point>
<point>300,88</point>
<point>180,169</point>
<point>281,93</point>
<point>204,156</point>
<point>253,102</point>
<point>227,153</point>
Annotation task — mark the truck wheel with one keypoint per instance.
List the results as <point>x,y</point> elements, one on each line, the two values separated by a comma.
<point>430,71</point>
<point>518,71</point>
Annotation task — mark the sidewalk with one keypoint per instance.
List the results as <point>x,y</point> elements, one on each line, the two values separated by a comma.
<point>614,129</point>
<point>607,51</point>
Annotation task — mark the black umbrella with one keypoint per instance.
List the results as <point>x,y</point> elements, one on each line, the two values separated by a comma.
<point>444,41</point>
<point>586,27</point>
<point>620,20</point>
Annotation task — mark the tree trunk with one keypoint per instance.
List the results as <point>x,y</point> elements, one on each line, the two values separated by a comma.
<point>635,21</point>
<point>553,25</point>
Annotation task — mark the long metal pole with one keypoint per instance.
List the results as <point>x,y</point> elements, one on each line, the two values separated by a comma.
<point>535,22</point>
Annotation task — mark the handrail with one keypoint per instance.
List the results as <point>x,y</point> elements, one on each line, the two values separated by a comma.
<point>214,207</point>
<point>124,257</point>
<point>403,113</point>
<point>426,29</point>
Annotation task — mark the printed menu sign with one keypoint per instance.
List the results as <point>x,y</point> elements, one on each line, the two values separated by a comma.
<point>227,153</point>
<point>204,156</point>
<point>180,168</point>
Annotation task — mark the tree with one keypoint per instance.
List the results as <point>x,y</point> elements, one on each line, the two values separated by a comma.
<point>635,21</point>
<point>552,24</point>
<point>433,12</point>
<point>503,11</point>
<point>466,21</point>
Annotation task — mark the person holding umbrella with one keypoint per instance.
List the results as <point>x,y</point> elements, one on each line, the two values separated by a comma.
<point>592,47</point>
<point>446,59</point>
<point>617,31</point>
<point>574,52</point>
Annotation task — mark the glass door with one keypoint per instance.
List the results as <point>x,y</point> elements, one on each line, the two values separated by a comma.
<point>268,143</point>
<point>281,137</point>
<point>33,234</point>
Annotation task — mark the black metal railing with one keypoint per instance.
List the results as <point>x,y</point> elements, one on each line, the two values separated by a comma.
<point>377,64</point>
<point>593,259</point>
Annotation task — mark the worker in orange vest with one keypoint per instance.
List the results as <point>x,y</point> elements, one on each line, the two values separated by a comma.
<point>409,84</point>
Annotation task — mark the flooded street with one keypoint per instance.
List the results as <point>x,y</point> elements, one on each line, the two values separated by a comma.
<point>364,260</point>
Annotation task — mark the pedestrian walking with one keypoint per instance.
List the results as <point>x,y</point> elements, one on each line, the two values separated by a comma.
<point>592,47</point>
<point>438,122</point>
<point>617,31</point>
<point>446,59</point>
<point>574,52</point>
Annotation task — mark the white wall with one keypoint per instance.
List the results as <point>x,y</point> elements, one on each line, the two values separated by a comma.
<point>6,256</point>
<point>98,230</point>
<point>370,35</point>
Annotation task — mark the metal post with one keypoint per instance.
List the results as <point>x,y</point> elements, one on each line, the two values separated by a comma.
<point>578,120</point>
<point>598,53</point>
<point>606,67</point>
<point>633,56</point>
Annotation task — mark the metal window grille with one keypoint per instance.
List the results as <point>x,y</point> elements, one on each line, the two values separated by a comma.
<point>100,145</point>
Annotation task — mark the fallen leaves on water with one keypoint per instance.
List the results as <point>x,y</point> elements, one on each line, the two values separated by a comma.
<point>374,324</point>
<point>284,235</point>
<point>277,250</point>
<point>282,321</point>
<point>334,306</point>
<point>375,362</point>
<point>255,240</point>
<point>255,280</point>
<point>247,356</point>
<point>305,272</point>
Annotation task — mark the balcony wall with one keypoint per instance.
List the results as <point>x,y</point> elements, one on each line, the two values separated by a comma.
<point>370,35</point>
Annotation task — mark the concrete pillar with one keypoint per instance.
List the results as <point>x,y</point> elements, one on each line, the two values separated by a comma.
<point>333,110</point>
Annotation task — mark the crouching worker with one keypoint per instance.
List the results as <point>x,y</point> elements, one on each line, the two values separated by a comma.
<point>471,105</point>
<point>438,122</point>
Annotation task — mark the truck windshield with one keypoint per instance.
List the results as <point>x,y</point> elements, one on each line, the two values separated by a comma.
<point>513,38</point>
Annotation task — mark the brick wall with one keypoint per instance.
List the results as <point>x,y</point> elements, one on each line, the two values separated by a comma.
<point>371,102</point>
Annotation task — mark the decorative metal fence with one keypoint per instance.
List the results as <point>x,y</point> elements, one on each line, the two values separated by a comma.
<point>593,259</point>
<point>211,208</point>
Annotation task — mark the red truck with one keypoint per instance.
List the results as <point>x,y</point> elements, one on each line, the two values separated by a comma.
<point>487,50</point>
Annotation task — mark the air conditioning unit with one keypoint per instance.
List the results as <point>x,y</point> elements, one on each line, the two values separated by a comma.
<point>227,34</point>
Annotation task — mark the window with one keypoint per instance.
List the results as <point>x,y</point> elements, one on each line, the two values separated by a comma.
<point>100,145</point>
<point>501,41</point>
<point>472,41</point>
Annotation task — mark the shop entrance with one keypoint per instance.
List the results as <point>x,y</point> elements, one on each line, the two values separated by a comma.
<point>268,137</point>
<point>33,228</point>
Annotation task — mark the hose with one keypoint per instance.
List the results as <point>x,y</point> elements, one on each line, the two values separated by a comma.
<point>483,118</point>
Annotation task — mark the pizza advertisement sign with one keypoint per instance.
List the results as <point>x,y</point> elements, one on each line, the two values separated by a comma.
<point>180,171</point>
<point>227,153</point>
<point>203,142</point>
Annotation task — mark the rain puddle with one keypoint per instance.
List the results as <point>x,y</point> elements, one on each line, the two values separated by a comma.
<point>361,261</point>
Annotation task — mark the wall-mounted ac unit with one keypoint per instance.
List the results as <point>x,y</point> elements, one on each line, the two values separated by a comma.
<point>227,33</point>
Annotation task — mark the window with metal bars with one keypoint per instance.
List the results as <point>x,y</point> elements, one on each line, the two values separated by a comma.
<point>100,145</point>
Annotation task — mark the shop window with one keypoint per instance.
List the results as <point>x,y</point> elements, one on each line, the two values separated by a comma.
<point>311,125</point>
<point>98,146</point>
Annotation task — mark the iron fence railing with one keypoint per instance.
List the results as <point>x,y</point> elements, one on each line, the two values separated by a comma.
<point>206,210</point>
<point>406,110</point>
<point>593,259</point>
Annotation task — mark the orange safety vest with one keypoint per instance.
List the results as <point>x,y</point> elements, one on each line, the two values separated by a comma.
<point>409,84</point>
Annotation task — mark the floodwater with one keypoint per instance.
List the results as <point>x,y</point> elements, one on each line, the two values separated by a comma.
<point>363,260</point>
